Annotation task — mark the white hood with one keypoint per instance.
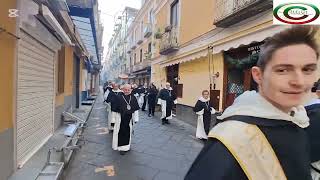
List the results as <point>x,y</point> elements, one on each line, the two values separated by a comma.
<point>203,99</point>
<point>118,90</point>
<point>251,103</point>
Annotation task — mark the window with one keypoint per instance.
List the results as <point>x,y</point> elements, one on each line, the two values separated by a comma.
<point>135,58</point>
<point>174,13</point>
<point>141,30</point>
<point>140,55</point>
<point>149,48</point>
<point>150,17</point>
<point>61,69</point>
<point>130,61</point>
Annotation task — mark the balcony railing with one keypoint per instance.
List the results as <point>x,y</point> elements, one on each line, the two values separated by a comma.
<point>142,65</point>
<point>169,41</point>
<point>229,12</point>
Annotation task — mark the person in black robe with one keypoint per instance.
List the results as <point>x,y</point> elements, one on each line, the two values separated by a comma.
<point>167,99</point>
<point>152,97</point>
<point>112,100</point>
<point>313,131</point>
<point>126,105</point>
<point>203,109</point>
<point>284,73</point>
<point>107,89</point>
<point>136,93</point>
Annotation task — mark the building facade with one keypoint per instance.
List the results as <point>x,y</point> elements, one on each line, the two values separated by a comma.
<point>117,66</point>
<point>209,46</point>
<point>42,76</point>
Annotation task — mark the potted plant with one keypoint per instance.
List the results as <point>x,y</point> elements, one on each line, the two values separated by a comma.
<point>158,34</point>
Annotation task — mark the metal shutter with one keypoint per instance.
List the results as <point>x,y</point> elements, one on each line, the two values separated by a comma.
<point>35,93</point>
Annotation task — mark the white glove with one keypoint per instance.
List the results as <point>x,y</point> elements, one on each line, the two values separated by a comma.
<point>175,101</point>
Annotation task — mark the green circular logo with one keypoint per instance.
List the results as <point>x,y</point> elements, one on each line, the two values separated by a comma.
<point>296,13</point>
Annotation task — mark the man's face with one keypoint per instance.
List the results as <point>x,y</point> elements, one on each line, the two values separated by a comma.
<point>115,87</point>
<point>205,95</point>
<point>127,90</point>
<point>288,77</point>
<point>167,86</point>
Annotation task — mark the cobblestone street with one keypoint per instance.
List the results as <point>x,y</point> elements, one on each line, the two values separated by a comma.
<point>158,152</point>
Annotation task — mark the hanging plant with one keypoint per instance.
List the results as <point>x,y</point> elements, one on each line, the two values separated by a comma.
<point>244,63</point>
<point>158,34</point>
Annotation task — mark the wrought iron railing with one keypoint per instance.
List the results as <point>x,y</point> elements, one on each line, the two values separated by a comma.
<point>227,8</point>
<point>169,41</point>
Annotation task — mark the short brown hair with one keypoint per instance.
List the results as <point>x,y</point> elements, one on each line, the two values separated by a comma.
<point>294,35</point>
<point>205,91</point>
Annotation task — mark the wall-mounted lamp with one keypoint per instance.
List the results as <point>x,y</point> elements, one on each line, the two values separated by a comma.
<point>216,75</point>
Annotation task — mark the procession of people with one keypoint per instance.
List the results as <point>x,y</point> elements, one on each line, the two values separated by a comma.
<point>273,135</point>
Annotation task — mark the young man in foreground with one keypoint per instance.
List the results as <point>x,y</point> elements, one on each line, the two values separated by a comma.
<point>262,136</point>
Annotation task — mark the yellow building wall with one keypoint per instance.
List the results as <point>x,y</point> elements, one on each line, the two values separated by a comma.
<point>158,75</point>
<point>59,100</point>
<point>68,71</point>
<point>195,19</point>
<point>7,66</point>
<point>59,97</point>
<point>161,22</point>
<point>162,17</point>
<point>194,76</point>
<point>81,75</point>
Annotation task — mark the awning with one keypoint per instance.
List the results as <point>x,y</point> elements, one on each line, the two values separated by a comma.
<point>89,65</point>
<point>123,76</point>
<point>186,58</point>
<point>254,29</point>
<point>131,76</point>
<point>247,39</point>
<point>140,72</point>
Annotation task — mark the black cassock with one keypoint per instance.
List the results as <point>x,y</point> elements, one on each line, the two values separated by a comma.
<point>206,115</point>
<point>152,97</point>
<point>169,97</point>
<point>313,132</point>
<point>112,99</point>
<point>289,142</point>
<point>124,128</point>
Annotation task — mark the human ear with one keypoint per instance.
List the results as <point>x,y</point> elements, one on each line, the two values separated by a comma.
<point>257,74</point>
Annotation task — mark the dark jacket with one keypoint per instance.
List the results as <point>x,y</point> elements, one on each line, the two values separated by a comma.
<point>313,131</point>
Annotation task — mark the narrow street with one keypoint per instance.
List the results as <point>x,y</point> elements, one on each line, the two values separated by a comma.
<point>158,152</point>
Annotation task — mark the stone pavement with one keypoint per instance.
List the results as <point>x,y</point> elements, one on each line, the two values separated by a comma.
<point>158,152</point>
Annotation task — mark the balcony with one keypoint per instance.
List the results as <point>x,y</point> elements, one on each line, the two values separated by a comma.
<point>140,42</point>
<point>230,12</point>
<point>147,56</point>
<point>142,65</point>
<point>169,41</point>
<point>133,47</point>
<point>147,32</point>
